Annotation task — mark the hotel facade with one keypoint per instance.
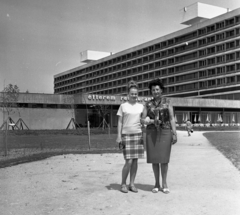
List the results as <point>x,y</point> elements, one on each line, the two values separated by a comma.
<point>199,61</point>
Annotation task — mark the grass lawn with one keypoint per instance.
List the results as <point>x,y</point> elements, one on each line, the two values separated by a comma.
<point>228,143</point>
<point>25,148</point>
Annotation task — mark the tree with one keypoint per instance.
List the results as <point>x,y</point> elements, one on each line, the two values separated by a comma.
<point>9,98</point>
<point>8,101</point>
<point>69,102</point>
<point>103,111</point>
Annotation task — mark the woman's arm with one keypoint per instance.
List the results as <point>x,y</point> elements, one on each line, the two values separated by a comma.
<point>119,130</point>
<point>173,125</point>
<point>144,119</point>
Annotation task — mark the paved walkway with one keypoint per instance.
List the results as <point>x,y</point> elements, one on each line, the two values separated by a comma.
<point>201,179</point>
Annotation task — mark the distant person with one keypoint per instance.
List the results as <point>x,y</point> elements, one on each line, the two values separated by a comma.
<point>160,133</point>
<point>189,127</point>
<point>130,135</point>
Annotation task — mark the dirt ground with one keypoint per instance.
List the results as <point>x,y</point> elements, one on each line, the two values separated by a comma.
<point>201,181</point>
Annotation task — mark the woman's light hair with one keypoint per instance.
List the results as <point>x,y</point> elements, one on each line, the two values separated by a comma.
<point>132,84</point>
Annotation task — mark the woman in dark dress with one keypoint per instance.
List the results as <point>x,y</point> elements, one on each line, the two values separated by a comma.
<point>160,133</point>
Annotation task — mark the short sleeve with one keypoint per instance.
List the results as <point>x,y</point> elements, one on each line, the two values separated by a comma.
<point>120,111</point>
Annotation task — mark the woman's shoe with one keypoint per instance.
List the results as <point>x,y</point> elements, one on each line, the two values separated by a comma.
<point>156,189</point>
<point>166,190</point>
<point>133,188</point>
<point>124,188</point>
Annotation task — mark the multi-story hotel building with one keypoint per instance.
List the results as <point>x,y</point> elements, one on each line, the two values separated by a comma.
<point>202,60</point>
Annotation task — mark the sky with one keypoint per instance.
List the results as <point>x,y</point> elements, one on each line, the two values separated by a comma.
<point>41,38</point>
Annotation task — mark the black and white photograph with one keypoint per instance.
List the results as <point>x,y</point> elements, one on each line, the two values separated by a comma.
<point>119,107</point>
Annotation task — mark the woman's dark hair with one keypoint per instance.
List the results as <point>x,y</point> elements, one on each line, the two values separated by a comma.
<point>156,82</point>
<point>132,84</point>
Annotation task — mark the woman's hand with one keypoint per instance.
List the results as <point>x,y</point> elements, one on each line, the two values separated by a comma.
<point>119,139</point>
<point>145,121</point>
<point>174,139</point>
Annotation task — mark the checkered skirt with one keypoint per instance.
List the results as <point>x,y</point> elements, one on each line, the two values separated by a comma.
<point>133,146</point>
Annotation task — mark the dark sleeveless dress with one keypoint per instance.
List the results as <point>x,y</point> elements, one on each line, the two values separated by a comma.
<point>158,140</point>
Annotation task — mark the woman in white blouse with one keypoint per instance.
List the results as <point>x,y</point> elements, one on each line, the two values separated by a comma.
<point>130,135</point>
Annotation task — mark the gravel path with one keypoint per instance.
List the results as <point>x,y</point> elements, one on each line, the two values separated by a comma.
<point>201,180</point>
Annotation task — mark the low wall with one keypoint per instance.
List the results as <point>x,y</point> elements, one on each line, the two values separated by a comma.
<point>42,118</point>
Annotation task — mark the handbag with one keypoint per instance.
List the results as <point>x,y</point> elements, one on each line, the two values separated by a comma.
<point>121,145</point>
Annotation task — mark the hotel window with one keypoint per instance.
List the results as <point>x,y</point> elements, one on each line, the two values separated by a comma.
<point>211,39</point>
<point>139,60</point>
<point>157,55</point>
<point>220,36</point>
<point>211,83</point>
<point>237,55</point>
<point>171,70</point>
<point>170,51</point>
<point>151,57</point>
<point>134,70</point>
<point>170,42</point>
<point>164,72</point>
<point>211,61</point>
<point>229,22</point>
<point>220,25</point>
<point>157,64</point>
<point>238,66</point>
<point>171,89</point>
<point>221,81</point>
<point>230,57</point>
<point>151,74</point>
<point>157,46</point>
<point>202,42</point>
<point>202,63</point>
<point>164,62</point>
<point>146,93</point>
<point>151,48</point>
<point>145,85</point>
<point>230,33</point>
<point>139,77</point>
<point>164,44</point>
<point>231,79</point>
<point>151,66</point>
<point>211,50</point>
<point>220,48</point>
<point>164,53</point>
<point>211,72</point>
<point>145,76</point>
<point>202,31</point>
<point>145,59</point>
<point>210,29</point>
<point>230,68</point>
<point>171,80</point>
<point>139,69</point>
<point>134,54</point>
<point>237,43</point>
<point>139,52</point>
<point>157,73</point>
<point>202,52</point>
<point>145,68</point>
<point>170,61</point>
<point>164,81</point>
<point>238,78</point>
<point>221,59</point>
<point>230,45</point>
<point>145,50</point>
<point>237,31</point>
